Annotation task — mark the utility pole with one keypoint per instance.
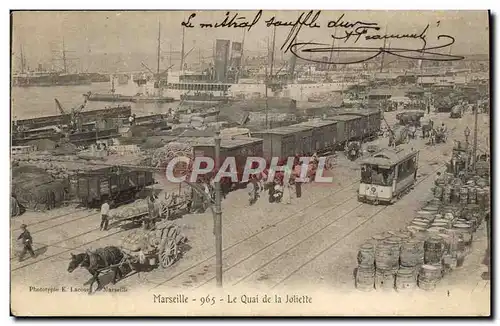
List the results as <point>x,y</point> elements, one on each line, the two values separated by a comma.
<point>218,214</point>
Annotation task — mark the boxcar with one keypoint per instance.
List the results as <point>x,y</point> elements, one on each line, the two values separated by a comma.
<point>240,148</point>
<point>370,122</point>
<point>352,127</point>
<point>286,141</point>
<point>324,134</point>
<point>117,183</point>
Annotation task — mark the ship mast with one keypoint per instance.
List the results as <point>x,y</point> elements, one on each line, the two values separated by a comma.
<point>272,50</point>
<point>383,53</point>
<point>23,62</point>
<point>242,45</point>
<point>65,65</point>
<point>182,49</point>
<point>158,52</point>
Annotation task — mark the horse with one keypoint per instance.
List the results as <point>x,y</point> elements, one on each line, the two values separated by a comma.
<point>95,262</point>
<point>427,128</point>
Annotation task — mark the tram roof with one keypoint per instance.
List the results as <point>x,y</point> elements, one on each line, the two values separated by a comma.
<point>389,157</point>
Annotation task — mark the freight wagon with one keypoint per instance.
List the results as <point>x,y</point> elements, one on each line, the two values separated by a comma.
<point>286,141</point>
<point>324,135</point>
<point>240,148</point>
<point>116,183</point>
<point>370,123</point>
<point>348,127</point>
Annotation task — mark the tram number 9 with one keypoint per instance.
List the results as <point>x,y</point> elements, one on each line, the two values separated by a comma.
<point>207,300</point>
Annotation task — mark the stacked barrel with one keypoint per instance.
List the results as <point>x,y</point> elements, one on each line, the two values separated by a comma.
<point>365,273</point>
<point>436,241</point>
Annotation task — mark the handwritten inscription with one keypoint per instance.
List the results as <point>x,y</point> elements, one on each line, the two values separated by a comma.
<point>351,33</point>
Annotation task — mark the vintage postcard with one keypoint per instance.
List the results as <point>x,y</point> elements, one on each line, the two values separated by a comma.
<point>250,163</point>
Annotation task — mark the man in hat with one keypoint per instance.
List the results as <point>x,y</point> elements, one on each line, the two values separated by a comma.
<point>105,215</point>
<point>27,242</point>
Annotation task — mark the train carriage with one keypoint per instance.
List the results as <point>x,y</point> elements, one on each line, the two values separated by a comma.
<point>117,183</point>
<point>388,175</point>
<point>240,148</point>
<point>352,127</point>
<point>286,141</point>
<point>370,122</point>
<point>324,135</point>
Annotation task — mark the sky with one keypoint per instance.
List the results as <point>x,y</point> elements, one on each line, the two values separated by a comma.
<point>88,33</point>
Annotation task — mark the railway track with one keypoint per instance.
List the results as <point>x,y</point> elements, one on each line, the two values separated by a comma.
<point>235,250</point>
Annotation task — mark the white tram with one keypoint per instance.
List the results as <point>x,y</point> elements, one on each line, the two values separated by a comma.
<point>388,175</point>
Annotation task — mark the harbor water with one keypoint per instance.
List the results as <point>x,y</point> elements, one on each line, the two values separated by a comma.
<point>33,102</point>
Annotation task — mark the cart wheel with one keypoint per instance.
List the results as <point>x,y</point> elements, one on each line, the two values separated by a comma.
<point>168,253</point>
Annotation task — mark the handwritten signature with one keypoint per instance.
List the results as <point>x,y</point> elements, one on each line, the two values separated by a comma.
<point>355,31</point>
<point>351,31</point>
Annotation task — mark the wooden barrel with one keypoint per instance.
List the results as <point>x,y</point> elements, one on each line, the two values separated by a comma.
<point>384,279</point>
<point>434,250</point>
<point>472,195</point>
<point>433,206</point>
<point>420,223</point>
<point>366,255</point>
<point>379,237</point>
<point>365,278</point>
<point>428,277</point>
<point>412,253</point>
<point>455,194</point>
<point>465,232</point>
<point>438,192</point>
<point>447,194</point>
<point>391,261</point>
<point>426,215</point>
<point>386,257</point>
<point>405,279</point>
<point>464,195</point>
<point>481,197</point>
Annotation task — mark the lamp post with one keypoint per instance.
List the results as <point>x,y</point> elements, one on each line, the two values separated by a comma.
<point>218,214</point>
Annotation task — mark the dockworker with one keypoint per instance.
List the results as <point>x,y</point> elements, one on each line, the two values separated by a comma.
<point>287,196</point>
<point>25,236</point>
<point>104,216</point>
<point>297,180</point>
<point>131,119</point>
<point>153,213</point>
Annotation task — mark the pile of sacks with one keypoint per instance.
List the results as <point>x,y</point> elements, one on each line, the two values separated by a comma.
<point>161,156</point>
<point>134,209</point>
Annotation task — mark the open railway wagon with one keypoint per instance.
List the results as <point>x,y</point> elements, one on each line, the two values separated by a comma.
<point>117,183</point>
<point>388,175</point>
<point>166,206</point>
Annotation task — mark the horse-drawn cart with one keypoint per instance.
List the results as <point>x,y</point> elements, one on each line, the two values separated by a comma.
<point>160,245</point>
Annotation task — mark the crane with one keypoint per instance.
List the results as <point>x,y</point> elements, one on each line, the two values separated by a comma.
<point>73,114</point>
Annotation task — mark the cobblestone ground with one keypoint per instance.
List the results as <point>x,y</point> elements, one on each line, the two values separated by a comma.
<point>313,241</point>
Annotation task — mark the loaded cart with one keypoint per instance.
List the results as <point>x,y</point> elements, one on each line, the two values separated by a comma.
<point>159,246</point>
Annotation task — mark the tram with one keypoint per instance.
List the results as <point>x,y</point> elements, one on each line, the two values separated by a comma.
<point>388,175</point>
